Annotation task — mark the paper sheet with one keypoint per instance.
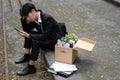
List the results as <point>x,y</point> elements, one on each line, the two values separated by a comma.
<point>63,67</point>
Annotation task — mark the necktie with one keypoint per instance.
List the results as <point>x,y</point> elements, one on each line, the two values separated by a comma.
<point>40,25</point>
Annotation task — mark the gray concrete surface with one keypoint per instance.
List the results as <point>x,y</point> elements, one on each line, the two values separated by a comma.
<point>97,20</point>
<point>15,45</point>
<point>94,19</point>
<point>2,59</point>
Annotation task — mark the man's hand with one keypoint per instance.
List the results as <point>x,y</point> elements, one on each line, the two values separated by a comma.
<point>23,34</point>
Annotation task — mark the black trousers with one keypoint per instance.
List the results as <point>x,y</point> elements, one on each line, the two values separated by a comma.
<point>35,45</point>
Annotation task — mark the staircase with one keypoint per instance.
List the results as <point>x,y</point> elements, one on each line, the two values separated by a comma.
<point>11,43</point>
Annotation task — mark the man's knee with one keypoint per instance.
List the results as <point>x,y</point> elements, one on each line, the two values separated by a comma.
<point>35,42</point>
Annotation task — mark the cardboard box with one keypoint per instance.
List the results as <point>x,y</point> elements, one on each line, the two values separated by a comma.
<point>68,55</point>
<point>65,55</point>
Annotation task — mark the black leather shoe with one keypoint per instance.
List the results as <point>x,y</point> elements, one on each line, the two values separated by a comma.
<point>26,71</point>
<point>22,60</point>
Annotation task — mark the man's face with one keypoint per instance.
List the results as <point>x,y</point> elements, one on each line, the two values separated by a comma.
<point>31,16</point>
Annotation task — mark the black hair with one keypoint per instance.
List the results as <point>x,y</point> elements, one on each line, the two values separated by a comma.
<point>26,9</point>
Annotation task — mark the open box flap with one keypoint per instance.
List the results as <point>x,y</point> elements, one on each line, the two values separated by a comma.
<point>84,44</point>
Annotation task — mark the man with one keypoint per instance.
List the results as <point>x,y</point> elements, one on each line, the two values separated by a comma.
<point>40,30</point>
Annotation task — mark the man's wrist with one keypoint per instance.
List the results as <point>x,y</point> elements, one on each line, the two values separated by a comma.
<point>28,35</point>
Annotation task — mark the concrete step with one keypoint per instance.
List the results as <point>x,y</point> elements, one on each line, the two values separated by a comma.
<point>50,57</point>
<point>8,7</point>
<point>14,48</point>
<point>2,56</point>
<point>21,2</point>
<point>15,5</point>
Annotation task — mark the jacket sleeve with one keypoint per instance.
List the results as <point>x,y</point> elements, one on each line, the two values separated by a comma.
<point>47,29</point>
<point>24,24</point>
<point>27,27</point>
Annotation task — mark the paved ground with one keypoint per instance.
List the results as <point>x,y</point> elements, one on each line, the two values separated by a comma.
<point>2,59</point>
<point>14,46</point>
<point>95,19</point>
<point>98,20</point>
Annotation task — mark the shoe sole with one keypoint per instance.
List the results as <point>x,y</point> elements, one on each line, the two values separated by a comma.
<point>25,74</point>
<point>21,62</point>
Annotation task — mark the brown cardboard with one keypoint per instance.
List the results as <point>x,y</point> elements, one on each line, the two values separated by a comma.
<point>65,55</point>
<point>68,55</point>
<point>84,44</point>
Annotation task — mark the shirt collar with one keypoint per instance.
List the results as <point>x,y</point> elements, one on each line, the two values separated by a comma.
<point>39,18</point>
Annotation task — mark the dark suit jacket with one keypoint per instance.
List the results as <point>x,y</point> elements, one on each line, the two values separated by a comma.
<point>50,28</point>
